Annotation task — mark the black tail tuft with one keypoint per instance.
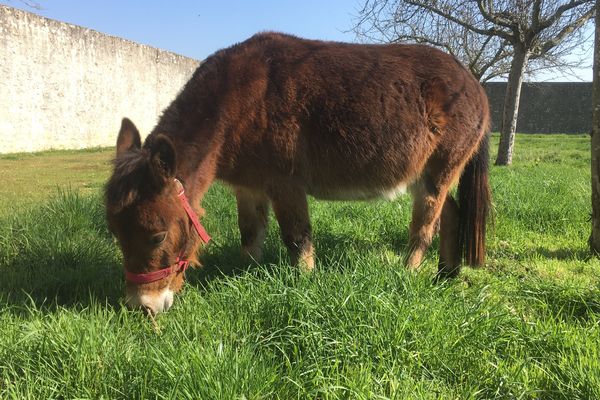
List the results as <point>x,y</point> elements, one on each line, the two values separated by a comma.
<point>474,199</point>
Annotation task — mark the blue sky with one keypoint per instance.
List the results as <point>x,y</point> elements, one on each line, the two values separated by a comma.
<point>198,28</point>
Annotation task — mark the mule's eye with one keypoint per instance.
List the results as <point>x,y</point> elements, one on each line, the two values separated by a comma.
<point>158,238</point>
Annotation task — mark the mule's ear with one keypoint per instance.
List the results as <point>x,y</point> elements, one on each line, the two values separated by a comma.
<point>129,137</point>
<point>163,159</point>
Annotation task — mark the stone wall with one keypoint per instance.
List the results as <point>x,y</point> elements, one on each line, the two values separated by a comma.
<point>66,87</point>
<point>548,107</point>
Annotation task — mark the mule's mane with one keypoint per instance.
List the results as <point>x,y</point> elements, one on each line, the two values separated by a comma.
<point>200,95</point>
<point>130,181</point>
<point>197,96</point>
<point>132,178</point>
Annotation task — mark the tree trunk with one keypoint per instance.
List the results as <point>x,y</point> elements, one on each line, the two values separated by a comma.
<point>511,106</point>
<point>595,236</point>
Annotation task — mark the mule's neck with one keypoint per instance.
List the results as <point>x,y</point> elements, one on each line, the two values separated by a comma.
<point>190,122</point>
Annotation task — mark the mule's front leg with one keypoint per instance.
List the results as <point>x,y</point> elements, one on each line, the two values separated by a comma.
<point>291,209</point>
<point>253,218</point>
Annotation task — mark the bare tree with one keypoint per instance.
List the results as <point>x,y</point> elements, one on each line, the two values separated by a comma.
<point>544,31</point>
<point>31,4</point>
<point>595,236</point>
<point>487,57</point>
<point>534,28</point>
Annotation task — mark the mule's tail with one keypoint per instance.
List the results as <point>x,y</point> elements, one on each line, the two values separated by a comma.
<point>474,198</point>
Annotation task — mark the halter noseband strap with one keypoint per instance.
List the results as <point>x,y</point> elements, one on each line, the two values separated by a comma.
<point>182,263</point>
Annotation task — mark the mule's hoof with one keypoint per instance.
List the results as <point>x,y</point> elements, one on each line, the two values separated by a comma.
<point>307,265</point>
<point>412,266</point>
<point>446,273</point>
<point>414,260</point>
<point>252,253</point>
<point>304,260</point>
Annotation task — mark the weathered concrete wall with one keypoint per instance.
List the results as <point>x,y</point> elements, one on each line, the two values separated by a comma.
<point>548,107</point>
<point>67,87</point>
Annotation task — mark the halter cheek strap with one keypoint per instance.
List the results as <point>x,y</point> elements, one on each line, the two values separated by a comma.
<point>204,236</point>
<point>182,263</point>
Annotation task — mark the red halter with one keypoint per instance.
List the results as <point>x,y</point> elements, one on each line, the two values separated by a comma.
<point>181,263</point>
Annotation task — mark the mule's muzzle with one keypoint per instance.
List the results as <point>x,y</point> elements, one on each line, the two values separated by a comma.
<point>152,302</point>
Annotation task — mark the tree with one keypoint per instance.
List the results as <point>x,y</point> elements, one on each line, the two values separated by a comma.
<point>31,4</point>
<point>595,148</point>
<point>487,57</point>
<point>539,30</point>
<point>534,29</point>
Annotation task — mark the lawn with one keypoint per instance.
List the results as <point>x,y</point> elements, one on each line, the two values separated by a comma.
<point>360,327</point>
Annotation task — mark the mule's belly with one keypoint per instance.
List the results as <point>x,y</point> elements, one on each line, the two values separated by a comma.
<point>348,193</point>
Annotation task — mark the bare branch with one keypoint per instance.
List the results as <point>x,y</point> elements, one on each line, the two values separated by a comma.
<point>430,6</point>
<point>31,4</point>
<point>453,26</point>
<point>493,17</point>
<point>544,24</point>
<point>537,5</point>
<point>565,31</point>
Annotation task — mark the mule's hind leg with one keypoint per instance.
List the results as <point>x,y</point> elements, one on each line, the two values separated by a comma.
<point>427,206</point>
<point>291,209</point>
<point>253,217</point>
<point>450,257</point>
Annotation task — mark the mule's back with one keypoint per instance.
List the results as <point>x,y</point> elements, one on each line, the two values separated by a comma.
<point>343,120</point>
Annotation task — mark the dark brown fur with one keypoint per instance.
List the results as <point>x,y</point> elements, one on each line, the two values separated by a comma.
<point>279,117</point>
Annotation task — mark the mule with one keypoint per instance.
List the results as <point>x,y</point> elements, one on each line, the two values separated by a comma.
<point>278,118</point>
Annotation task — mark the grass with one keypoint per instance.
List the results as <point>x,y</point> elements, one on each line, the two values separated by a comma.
<point>29,178</point>
<point>360,326</point>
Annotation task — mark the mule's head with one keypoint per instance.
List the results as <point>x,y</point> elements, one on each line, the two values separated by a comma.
<point>145,212</point>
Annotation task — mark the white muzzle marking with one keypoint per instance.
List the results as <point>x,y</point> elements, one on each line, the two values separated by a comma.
<point>156,303</point>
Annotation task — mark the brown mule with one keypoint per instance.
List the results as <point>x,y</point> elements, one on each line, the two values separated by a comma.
<point>279,118</point>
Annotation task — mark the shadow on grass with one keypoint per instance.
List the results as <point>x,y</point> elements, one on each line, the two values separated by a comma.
<point>564,254</point>
<point>570,304</point>
<point>227,260</point>
<point>529,253</point>
<point>332,244</point>
<point>60,281</point>
<point>59,255</point>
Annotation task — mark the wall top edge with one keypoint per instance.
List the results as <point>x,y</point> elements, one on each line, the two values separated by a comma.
<point>7,12</point>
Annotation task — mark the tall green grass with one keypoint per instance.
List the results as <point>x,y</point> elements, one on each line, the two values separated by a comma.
<point>360,326</point>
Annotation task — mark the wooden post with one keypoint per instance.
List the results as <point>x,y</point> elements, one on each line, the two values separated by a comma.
<point>595,236</point>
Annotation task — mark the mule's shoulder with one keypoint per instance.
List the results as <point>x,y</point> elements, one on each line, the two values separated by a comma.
<point>270,39</point>
<point>265,36</point>
<point>267,39</point>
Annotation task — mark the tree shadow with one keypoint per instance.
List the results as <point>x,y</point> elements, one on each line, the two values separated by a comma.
<point>58,281</point>
<point>564,254</point>
<point>224,261</point>
<point>227,260</point>
<point>569,304</point>
<point>335,243</point>
<point>560,254</point>
<point>59,255</point>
